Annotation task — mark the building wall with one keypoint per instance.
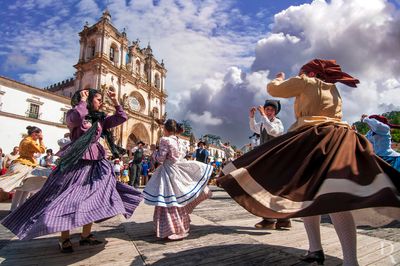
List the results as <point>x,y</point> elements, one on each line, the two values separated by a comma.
<point>12,134</point>
<point>15,99</point>
<point>213,150</point>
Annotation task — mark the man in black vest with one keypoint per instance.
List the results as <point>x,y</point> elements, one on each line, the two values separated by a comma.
<point>201,154</point>
<point>269,128</point>
<point>135,165</point>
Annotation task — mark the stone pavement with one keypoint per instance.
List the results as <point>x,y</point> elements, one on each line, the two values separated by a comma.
<point>222,233</point>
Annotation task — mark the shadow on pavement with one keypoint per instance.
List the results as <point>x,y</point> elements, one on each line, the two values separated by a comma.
<point>237,254</point>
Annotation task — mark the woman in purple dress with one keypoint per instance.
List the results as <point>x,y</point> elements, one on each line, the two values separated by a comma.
<point>83,188</point>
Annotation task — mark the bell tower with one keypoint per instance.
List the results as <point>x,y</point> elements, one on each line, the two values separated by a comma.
<point>108,60</point>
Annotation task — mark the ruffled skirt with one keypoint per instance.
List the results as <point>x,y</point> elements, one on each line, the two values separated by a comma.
<point>315,170</point>
<point>177,184</point>
<point>88,192</point>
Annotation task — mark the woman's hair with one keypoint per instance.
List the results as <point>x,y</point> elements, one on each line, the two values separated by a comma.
<point>33,129</point>
<point>92,94</point>
<point>76,98</point>
<point>80,145</point>
<point>172,126</point>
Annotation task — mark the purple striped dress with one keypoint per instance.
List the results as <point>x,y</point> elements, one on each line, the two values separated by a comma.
<point>86,193</point>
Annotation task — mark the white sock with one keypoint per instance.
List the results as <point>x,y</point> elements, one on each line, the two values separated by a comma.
<point>311,224</point>
<point>346,231</point>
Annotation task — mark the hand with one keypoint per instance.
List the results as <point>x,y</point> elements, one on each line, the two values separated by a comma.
<point>252,112</point>
<point>113,97</point>
<point>260,109</point>
<point>40,137</point>
<point>280,76</point>
<point>84,95</point>
<point>363,116</point>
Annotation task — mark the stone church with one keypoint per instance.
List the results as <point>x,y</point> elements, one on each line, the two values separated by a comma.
<point>108,60</point>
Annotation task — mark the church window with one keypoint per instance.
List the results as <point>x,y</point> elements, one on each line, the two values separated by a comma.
<point>157,81</point>
<point>92,49</point>
<point>138,66</point>
<point>112,53</point>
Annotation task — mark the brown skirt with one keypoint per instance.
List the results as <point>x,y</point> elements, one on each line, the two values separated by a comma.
<point>314,170</point>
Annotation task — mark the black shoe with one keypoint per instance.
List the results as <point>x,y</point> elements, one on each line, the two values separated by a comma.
<point>283,224</point>
<point>89,240</point>
<point>65,246</point>
<point>315,256</point>
<point>265,224</point>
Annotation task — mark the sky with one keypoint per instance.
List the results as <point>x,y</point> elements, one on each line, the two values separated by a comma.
<point>220,54</point>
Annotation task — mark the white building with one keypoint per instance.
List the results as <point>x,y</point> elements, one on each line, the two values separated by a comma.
<point>22,105</point>
<point>216,153</point>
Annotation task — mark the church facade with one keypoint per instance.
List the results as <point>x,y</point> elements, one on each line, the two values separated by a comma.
<point>109,61</point>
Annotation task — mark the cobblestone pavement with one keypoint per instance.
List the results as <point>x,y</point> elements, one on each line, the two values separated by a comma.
<point>390,232</point>
<point>212,219</point>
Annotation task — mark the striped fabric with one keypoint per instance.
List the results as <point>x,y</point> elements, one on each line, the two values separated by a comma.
<point>176,220</point>
<point>177,184</point>
<point>315,170</point>
<point>87,193</point>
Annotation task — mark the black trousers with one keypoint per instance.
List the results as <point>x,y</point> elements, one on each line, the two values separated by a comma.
<point>134,174</point>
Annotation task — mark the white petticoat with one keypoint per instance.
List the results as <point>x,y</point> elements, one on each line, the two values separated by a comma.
<point>24,177</point>
<point>177,184</point>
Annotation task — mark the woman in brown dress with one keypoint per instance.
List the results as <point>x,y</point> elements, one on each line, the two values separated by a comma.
<point>320,166</point>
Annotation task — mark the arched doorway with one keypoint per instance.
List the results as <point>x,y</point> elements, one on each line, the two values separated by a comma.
<point>138,132</point>
<point>132,140</point>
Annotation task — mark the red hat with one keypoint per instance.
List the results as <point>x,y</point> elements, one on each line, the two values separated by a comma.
<point>384,120</point>
<point>329,71</point>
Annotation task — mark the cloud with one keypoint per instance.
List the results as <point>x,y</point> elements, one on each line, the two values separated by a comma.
<point>227,97</point>
<point>195,38</point>
<point>362,38</point>
<point>16,61</point>
<point>218,60</point>
<point>205,119</point>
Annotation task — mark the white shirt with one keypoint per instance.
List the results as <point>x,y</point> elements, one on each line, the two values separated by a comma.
<point>273,128</point>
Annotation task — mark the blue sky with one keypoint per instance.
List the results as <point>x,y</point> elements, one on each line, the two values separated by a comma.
<point>219,53</point>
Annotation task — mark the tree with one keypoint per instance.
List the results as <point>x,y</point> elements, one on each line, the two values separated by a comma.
<point>212,139</point>
<point>361,127</point>
<point>394,118</point>
<point>187,127</point>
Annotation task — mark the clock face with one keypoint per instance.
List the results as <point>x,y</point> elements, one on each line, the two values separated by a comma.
<point>134,104</point>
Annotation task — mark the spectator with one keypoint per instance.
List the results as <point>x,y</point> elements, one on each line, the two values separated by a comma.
<point>9,158</point>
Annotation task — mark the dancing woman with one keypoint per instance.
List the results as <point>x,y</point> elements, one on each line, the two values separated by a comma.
<point>379,136</point>
<point>176,187</point>
<point>83,188</point>
<point>320,166</point>
<point>21,169</point>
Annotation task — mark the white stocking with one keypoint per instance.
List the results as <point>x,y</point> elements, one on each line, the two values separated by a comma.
<point>311,224</point>
<point>346,231</point>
